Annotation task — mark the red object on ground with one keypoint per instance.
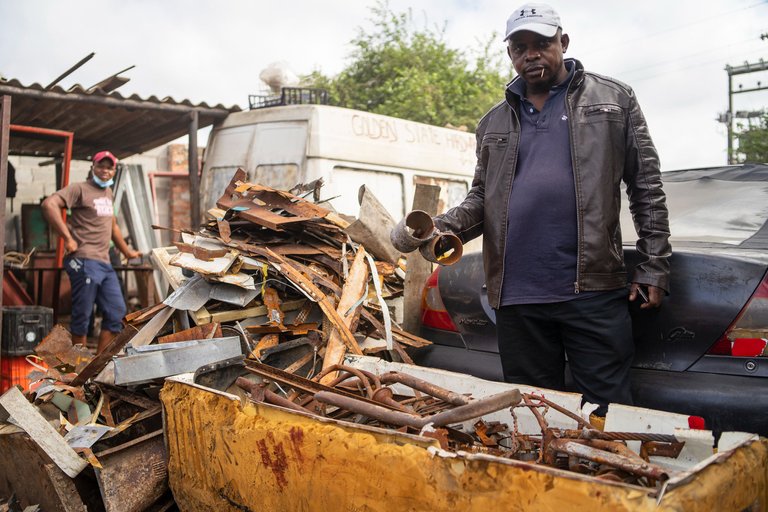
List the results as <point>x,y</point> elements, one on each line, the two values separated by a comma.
<point>15,370</point>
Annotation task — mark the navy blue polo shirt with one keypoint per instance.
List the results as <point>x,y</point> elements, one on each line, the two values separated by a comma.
<point>541,250</point>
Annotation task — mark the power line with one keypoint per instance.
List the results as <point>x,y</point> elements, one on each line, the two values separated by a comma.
<point>686,57</point>
<point>676,27</point>
<point>683,68</point>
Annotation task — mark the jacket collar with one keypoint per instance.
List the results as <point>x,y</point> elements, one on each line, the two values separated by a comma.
<point>576,81</point>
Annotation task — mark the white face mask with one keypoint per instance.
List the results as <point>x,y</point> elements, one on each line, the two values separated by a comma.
<point>102,184</point>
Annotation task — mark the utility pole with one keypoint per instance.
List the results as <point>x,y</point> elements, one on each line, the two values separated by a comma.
<point>729,116</point>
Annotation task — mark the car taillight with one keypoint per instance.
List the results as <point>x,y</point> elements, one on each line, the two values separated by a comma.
<point>747,336</point>
<point>696,423</point>
<point>433,312</point>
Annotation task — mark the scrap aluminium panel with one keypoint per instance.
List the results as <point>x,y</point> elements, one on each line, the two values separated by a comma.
<point>229,455</point>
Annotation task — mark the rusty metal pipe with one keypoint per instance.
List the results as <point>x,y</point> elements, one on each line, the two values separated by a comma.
<point>477,408</point>
<point>443,249</point>
<point>376,412</point>
<point>473,409</point>
<point>627,464</point>
<point>354,371</point>
<point>443,394</point>
<point>414,230</point>
<point>258,392</point>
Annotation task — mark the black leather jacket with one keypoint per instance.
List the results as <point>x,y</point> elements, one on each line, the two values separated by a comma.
<point>609,143</point>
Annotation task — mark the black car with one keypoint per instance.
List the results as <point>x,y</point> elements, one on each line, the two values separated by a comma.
<point>703,353</point>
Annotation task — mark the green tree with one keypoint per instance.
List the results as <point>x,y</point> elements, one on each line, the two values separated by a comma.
<point>401,70</point>
<point>753,142</point>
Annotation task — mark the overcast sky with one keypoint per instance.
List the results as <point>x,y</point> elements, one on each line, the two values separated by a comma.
<point>673,53</point>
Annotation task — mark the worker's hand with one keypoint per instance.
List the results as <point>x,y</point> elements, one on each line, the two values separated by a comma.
<point>132,255</point>
<point>653,295</point>
<point>70,245</point>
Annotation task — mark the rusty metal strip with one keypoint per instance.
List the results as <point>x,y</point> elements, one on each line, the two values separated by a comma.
<point>128,444</point>
<point>640,468</point>
<point>199,332</point>
<point>201,253</point>
<point>354,289</point>
<point>145,314</point>
<point>225,231</point>
<point>102,358</point>
<point>272,301</point>
<point>270,340</point>
<point>295,329</point>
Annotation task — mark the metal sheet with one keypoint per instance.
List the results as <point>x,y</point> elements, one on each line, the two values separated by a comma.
<point>134,478</point>
<point>164,363</point>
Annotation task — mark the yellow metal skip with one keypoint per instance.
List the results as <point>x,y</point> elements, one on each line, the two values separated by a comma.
<point>228,456</point>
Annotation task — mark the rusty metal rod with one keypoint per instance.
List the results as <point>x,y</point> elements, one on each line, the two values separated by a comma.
<point>377,412</point>
<point>446,395</point>
<point>562,410</point>
<point>626,436</point>
<point>474,409</point>
<point>354,371</point>
<point>257,390</point>
<point>583,451</point>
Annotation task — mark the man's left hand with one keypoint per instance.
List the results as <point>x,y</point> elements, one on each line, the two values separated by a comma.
<point>654,293</point>
<point>132,255</point>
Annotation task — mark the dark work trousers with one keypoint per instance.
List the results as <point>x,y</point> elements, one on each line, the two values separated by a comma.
<point>595,333</point>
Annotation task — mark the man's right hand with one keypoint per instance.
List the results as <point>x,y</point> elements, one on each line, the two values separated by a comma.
<point>70,245</point>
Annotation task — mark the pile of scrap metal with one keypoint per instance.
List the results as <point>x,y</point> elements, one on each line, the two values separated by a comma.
<point>291,276</point>
<point>77,441</point>
<point>409,404</point>
<point>272,276</point>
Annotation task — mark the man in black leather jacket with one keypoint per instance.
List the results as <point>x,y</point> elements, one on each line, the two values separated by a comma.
<point>546,198</point>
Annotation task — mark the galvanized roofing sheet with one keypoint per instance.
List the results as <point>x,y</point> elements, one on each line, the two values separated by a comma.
<point>125,125</point>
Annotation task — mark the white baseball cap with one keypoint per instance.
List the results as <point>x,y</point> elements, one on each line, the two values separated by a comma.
<point>539,18</point>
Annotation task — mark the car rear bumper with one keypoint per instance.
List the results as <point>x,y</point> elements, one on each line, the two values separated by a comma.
<point>726,402</point>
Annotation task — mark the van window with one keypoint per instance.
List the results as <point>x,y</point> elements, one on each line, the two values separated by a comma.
<point>452,192</point>
<point>279,176</point>
<point>218,179</point>
<point>386,186</point>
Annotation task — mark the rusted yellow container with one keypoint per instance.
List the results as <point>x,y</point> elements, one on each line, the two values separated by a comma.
<point>228,455</point>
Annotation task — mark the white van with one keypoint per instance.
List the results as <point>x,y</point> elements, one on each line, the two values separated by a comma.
<point>286,145</point>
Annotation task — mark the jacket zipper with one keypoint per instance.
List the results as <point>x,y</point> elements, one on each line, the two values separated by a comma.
<point>506,213</point>
<point>576,191</point>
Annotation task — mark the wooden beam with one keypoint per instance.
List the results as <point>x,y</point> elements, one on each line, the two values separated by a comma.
<point>425,198</point>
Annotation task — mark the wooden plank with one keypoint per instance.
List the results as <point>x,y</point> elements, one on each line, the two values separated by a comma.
<point>425,198</point>
<point>147,333</point>
<point>352,292</point>
<point>41,432</point>
<point>241,314</point>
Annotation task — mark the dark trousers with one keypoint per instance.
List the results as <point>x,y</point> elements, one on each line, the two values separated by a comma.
<point>595,333</point>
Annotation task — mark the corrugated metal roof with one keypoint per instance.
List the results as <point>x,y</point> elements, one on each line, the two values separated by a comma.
<point>125,125</point>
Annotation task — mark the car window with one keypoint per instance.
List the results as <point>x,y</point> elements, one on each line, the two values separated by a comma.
<point>710,210</point>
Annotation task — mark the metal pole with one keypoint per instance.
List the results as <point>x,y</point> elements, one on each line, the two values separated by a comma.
<point>5,134</point>
<point>194,177</point>
<point>729,114</point>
